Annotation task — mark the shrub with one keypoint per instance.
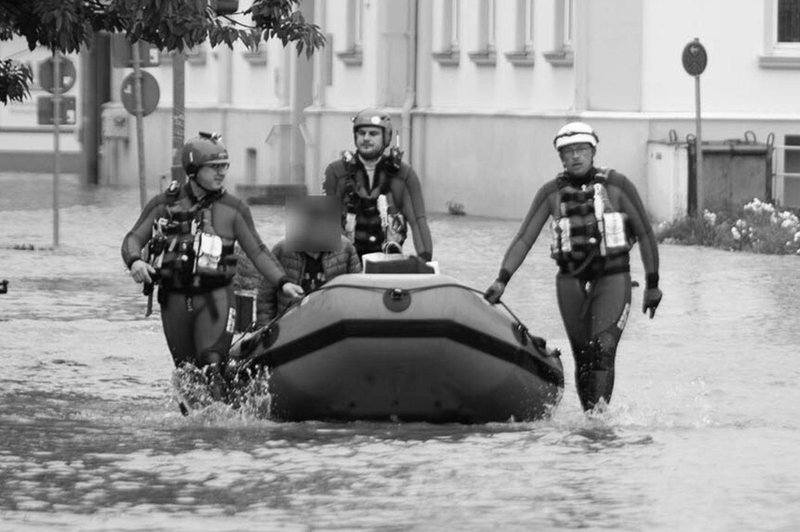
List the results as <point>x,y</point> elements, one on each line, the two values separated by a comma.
<point>757,226</point>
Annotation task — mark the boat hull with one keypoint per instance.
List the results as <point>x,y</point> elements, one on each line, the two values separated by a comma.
<point>403,347</point>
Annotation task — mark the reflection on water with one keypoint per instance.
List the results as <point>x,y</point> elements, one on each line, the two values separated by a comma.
<point>701,433</point>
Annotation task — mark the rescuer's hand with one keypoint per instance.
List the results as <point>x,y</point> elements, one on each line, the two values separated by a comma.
<point>650,301</point>
<point>292,290</point>
<point>493,293</point>
<point>142,272</point>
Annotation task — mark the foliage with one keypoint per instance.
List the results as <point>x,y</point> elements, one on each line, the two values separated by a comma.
<point>14,80</point>
<point>757,226</point>
<point>68,25</point>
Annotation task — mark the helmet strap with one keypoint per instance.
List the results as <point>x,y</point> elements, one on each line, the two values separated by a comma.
<point>208,192</point>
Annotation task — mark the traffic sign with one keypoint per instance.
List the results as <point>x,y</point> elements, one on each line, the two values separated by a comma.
<point>45,110</point>
<point>67,74</point>
<point>694,58</point>
<point>122,54</point>
<point>150,93</point>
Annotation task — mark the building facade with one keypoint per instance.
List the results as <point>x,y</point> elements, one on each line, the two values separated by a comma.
<point>477,89</point>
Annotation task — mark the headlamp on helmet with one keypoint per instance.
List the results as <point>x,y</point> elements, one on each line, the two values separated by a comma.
<point>374,118</point>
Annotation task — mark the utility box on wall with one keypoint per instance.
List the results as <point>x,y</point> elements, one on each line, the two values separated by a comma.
<point>734,172</point>
<point>667,179</point>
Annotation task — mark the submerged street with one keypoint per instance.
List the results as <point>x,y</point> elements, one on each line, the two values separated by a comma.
<point>701,435</point>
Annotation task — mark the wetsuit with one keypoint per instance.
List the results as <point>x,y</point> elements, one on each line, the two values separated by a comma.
<point>593,289</point>
<point>198,312</point>
<point>347,179</point>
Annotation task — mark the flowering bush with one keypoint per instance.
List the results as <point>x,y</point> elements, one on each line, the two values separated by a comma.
<point>757,226</point>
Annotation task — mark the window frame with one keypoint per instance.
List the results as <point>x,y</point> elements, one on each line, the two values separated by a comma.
<point>782,55</point>
<point>485,54</point>
<point>562,55</point>
<point>353,54</point>
<point>449,53</point>
<point>523,53</point>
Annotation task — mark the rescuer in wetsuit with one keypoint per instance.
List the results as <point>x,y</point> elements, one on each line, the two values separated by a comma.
<point>190,231</point>
<point>380,193</point>
<point>597,216</point>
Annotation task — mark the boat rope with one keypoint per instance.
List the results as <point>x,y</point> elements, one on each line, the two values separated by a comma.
<point>381,289</point>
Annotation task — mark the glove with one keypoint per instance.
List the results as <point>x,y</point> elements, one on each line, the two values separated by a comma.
<point>650,301</point>
<point>493,293</point>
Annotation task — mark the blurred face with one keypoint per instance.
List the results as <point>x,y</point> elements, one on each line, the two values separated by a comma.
<point>369,142</point>
<point>211,176</point>
<point>313,223</point>
<point>577,158</point>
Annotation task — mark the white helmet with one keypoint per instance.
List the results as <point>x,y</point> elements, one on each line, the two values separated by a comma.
<point>575,133</point>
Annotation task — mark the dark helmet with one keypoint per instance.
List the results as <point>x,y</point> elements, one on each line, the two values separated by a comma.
<point>374,118</point>
<point>206,148</point>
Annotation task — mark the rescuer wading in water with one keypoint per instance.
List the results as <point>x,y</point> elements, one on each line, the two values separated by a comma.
<point>189,233</point>
<point>597,216</point>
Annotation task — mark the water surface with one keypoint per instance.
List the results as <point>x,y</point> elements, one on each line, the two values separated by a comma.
<point>702,433</point>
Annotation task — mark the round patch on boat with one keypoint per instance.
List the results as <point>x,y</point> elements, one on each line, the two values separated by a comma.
<point>397,299</point>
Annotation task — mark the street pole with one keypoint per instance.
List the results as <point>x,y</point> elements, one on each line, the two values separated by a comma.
<point>138,111</point>
<point>178,113</point>
<point>56,140</point>
<point>699,144</point>
<point>695,60</point>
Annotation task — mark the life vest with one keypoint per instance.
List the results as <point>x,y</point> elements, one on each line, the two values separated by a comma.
<point>184,249</point>
<point>587,227</point>
<point>372,221</point>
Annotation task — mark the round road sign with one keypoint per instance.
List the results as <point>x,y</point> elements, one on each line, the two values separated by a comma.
<point>66,70</point>
<point>694,58</point>
<point>150,93</point>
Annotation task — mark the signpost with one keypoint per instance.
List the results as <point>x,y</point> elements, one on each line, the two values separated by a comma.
<point>56,75</point>
<point>694,60</point>
<point>140,94</point>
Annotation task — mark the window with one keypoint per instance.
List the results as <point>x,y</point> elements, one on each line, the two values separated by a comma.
<point>448,53</point>
<point>522,55</point>
<point>562,54</point>
<point>788,21</point>
<point>352,55</point>
<point>781,35</point>
<point>791,171</point>
<point>485,54</point>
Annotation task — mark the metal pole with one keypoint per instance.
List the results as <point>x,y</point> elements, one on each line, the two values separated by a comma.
<point>137,100</point>
<point>178,113</point>
<point>699,152</point>
<point>56,140</point>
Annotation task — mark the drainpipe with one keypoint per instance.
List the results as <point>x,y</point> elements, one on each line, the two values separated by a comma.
<point>411,78</point>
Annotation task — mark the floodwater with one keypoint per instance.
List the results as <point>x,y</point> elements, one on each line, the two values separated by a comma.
<point>702,433</point>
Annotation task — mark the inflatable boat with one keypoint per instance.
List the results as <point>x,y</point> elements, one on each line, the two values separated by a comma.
<point>404,347</point>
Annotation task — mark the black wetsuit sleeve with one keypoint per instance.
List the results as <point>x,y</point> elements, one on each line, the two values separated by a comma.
<point>331,182</point>
<point>140,233</point>
<point>268,294</point>
<point>532,225</point>
<point>631,204</point>
<point>247,236</point>
<point>414,211</point>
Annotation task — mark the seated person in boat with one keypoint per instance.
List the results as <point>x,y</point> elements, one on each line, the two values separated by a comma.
<point>380,194</point>
<point>313,252</point>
